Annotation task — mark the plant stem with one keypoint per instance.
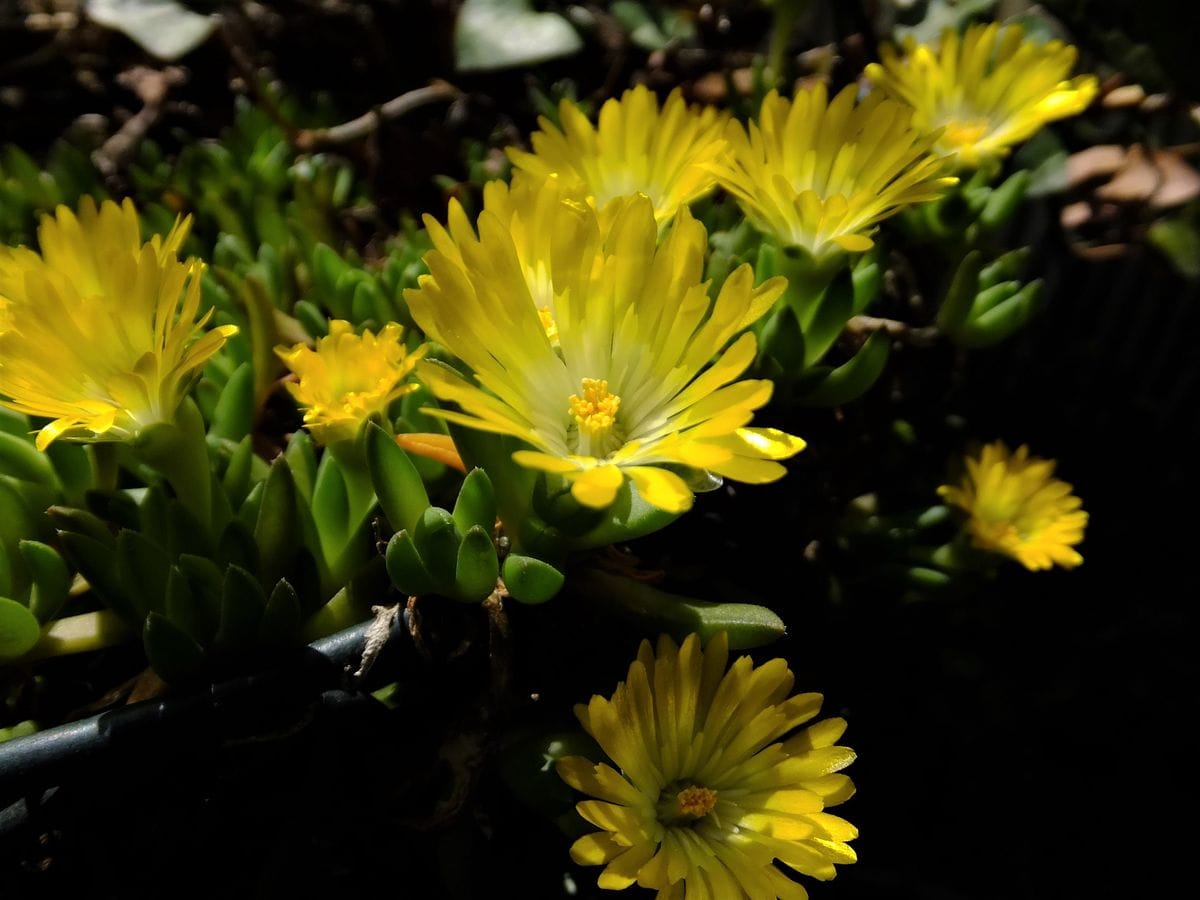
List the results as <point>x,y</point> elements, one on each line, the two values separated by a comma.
<point>786,14</point>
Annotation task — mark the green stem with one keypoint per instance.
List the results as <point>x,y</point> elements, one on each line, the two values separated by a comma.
<point>104,465</point>
<point>179,452</point>
<point>80,634</point>
<point>786,14</point>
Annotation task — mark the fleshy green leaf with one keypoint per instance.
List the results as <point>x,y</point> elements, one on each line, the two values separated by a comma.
<point>19,629</point>
<point>51,579</point>
<point>169,650</point>
<point>399,488</point>
<point>530,580</point>
<point>404,566</point>
<point>476,568</point>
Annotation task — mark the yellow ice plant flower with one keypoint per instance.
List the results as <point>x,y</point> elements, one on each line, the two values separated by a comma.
<point>712,782</point>
<point>100,331</point>
<point>638,371</point>
<point>820,174</point>
<point>1016,508</point>
<point>634,148</point>
<point>985,91</point>
<point>349,377</point>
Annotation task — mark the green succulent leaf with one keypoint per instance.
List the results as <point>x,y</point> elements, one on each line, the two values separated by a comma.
<point>21,459</point>
<point>853,378</point>
<point>476,504</point>
<point>530,580</point>
<point>956,308</point>
<point>405,568</point>
<point>437,539</point>
<point>170,651</point>
<point>399,488</point>
<point>477,567</point>
<point>242,605</point>
<point>282,617</point>
<point>233,417</point>
<point>746,624</point>
<point>51,579</point>
<point>275,529</point>
<point>19,629</point>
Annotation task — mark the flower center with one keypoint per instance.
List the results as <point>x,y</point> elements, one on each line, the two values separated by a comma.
<point>687,806</point>
<point>966,132</point>
<point>596,410</point>
<point>696,802</point>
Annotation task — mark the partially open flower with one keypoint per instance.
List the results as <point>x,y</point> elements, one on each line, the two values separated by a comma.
<point>99,331</point>
<point>597,346</point>
<point>712,781</point>
<point>635,148</point>
<point>1016,508</point>
<point>986,91</point>
<point>349,377</point>
<point>820,174</point>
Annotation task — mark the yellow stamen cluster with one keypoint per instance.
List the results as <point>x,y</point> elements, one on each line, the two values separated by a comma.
<point>596,410</point>
<point>696,802</point>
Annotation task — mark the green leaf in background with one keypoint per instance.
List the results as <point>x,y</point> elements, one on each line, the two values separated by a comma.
<point>853,378</point>
<point>502,34</point>
<point>19,629</point>
<point>1179,241</point>
<point>169,650</point>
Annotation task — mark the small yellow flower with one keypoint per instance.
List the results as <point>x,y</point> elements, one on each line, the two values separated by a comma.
<point>597,346</point>
<point>708,787</point>
<point>634,149</point>
<point>349,377</point>
<point>986,91</point>
<point>1016,508</point>
<point>99,332</point>
<point>820,174</point>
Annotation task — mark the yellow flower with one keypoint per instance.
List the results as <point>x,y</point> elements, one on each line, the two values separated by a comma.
<point>349,377</point>
<point>986,91</point>
<point>596,345</point>
<point>819,174</point>
<point>1016,508</point>
<point>99,331</point>
<point>710,788</point>
<point>634,149</point>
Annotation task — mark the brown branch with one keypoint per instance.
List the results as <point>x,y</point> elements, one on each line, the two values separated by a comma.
<point>912,335</point>
<point>152,87</point>
<point>309,139</point>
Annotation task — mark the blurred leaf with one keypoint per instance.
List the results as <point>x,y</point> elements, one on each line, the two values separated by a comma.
<point>164,28</point>
<point>501,34</point>
<point>943,14</point>
<point>1179,241</point>
<point>853,378</point>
